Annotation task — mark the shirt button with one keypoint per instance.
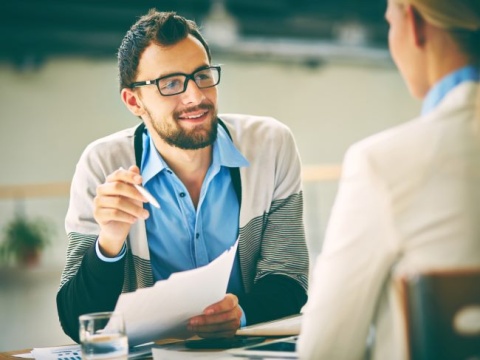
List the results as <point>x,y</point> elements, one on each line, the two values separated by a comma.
<point>197,235</point>
<point>169,171</point>
<point>182,194</point>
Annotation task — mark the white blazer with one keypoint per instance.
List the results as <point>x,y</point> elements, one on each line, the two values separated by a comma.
<point>409,199</point>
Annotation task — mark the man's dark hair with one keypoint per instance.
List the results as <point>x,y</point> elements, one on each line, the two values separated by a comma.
<point>162,28</point>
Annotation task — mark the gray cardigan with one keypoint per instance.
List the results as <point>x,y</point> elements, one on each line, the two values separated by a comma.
<point>272,249</point>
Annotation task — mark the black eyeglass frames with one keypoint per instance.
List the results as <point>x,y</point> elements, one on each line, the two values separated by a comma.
<point>175,84</point>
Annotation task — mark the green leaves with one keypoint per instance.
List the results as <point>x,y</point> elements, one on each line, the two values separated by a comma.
<point>24,238</point>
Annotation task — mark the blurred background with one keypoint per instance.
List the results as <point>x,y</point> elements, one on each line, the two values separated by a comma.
<point>320,66</point>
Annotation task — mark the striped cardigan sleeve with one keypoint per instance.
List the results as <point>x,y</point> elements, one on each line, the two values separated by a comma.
<point>280,284</point>
<point>272,245</point>
<point>89,284</point>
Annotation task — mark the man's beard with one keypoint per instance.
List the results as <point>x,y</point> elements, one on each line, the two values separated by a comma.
<point>197,137</point>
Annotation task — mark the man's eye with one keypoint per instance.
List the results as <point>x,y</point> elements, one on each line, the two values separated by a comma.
<point>170,84</point>
<point>203,76</point>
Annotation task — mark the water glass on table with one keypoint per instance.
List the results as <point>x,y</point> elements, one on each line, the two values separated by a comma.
<point>103,336</point>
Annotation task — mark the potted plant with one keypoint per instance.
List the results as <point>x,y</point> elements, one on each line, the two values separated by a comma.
<point>24,239</point>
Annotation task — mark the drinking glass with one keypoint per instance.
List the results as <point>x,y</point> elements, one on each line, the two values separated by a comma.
<point>103,336</point>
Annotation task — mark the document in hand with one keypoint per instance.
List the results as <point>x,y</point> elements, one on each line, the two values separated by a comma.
<point>162,311</point>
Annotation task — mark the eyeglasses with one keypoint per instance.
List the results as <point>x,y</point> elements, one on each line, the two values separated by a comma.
<point>175,84</point>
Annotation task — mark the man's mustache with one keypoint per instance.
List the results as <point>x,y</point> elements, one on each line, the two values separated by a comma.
<point>204,106</point>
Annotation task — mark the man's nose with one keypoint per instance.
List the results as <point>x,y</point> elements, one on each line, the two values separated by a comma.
<point>192,94</point>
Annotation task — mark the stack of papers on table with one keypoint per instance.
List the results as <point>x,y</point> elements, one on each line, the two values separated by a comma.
<point>74,352</point>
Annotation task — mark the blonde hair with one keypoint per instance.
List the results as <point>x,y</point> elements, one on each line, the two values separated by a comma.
<point>449,14</point>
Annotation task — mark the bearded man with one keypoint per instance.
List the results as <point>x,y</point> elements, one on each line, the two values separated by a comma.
<point>218,179</point>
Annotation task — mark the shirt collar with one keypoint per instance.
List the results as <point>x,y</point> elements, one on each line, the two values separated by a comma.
<point>224,154</point>
<point>446,84</point>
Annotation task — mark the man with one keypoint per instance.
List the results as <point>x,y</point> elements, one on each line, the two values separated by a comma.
<point>409,197</point>
<point>217,178</point>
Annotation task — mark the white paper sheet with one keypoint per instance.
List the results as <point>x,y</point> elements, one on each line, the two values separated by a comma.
<point>71,352</point>
<point>74,352</point>
<point>163,310</point>
<point>286,326</point>
<point>25,356</point>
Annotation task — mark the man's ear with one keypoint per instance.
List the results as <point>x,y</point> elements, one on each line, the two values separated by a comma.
<point>418,26</point>
<point>132,101</point>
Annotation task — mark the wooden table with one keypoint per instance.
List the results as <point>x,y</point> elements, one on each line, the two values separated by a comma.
<point>9,355</point>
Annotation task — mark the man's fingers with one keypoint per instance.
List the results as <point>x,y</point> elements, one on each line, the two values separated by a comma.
<point>224,329</point>
<point>218,318</point>
<point>121,189</point>
<point>233,324</point>
<point>106,216</point>
<point>228,303</point>
<point>118,205</point>
<point>132,175</point>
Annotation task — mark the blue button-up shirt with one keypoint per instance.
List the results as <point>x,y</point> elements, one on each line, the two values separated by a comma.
<point>447,83</point>
<point>181,237</point>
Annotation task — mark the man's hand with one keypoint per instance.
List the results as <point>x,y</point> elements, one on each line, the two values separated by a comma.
<point>221,319</point>
<point>117,205</point>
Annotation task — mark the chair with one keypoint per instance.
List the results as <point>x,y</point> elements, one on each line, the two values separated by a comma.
<point>442,314</point>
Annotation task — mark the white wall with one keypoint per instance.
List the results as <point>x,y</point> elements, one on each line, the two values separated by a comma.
<point>48,116</point>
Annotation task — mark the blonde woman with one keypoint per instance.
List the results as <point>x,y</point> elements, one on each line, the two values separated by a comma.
<point>409,197</point>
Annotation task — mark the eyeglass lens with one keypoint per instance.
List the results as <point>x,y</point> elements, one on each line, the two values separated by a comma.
<point>175,84</point>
